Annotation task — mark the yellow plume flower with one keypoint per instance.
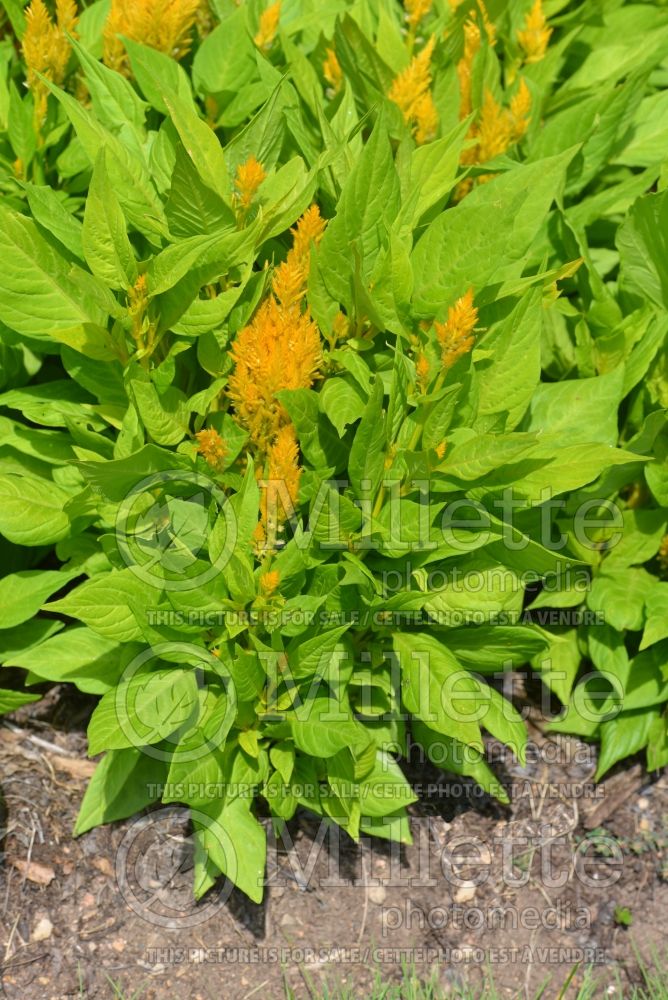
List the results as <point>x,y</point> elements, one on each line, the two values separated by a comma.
<point>269,19</point>
<point>487,23</point>
<point>535,37</point>
<point>410,91</point>
<point>165,25</point>
<point>280,495</point>
<point>309,229</point>
<point>332,72</point>
<point>494,129</point>
<point>269,582</point>
<point>211,447</point>
<point>472,43</point>
<point>456,335</point>
<point>291,277</point>
<point>520,111</point>
<point>416,11</point>
<point>46,49</point>
<point>662,554</point>
<point>249,177</point>
<point>422,370</point>
<point>279,349</point>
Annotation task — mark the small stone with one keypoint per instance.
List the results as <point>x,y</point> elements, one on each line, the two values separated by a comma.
<point>643,803</point>
<point>42,930</point>
<point>465,893</point>
<point>377,894</point>
<point>118,944</point>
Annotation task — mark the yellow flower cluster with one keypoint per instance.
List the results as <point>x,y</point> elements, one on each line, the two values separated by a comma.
<point>497,128</point>
<point>46,48</point>
<point>269,582</point>
<point>165,25</point>
<point>456,335</point>
<point>280,495</point>
<point>211,447</point>
<point>411,92</point>
<point>280,348</point>
<point>535,36</point>
<point>269,19</point>
<point>416,11</point>
<point>249,177</point>
<point>331,69</point>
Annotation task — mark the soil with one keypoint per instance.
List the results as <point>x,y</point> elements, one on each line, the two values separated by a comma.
<point>570,875</point>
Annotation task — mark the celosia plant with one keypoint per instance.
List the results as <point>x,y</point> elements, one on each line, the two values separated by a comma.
<point>314,336</point>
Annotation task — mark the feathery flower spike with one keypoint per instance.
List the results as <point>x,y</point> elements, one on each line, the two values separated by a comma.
<point>456,335</point>
<point>268,27</point>
<point>46,49</point>
<point>410,91</point>
<point>331,70</point>
<point>211,447</point>
<point>249,177</point>
<point>280,495</point>
<point>535,36</point>
<point>416,11</point>
<point>165,25</point>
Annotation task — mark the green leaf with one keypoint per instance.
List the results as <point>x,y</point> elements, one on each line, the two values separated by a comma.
<point>437,689</point>
<point>582,410</point>
<point>32,512</point>
<point>124,782</point>
<point>342,401</point>
<point>321,727</point>
<point>143,710</point>
<point>41,293</point>
<point>115,101</point>
<point>367,454</point>
<point>200,143</point>
<point>105,240</point>
<point>485,239</point>
<point>128,171</point>
<point>641,241</point>
<point>110,604</point>
<point>11,700</point>
<point>22,594</point>
<point>80,656</point>
<point>656,606</point>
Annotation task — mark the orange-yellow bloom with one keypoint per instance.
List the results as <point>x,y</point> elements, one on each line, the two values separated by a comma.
<point>309,229</point>
<point>269,19</point>
<point>662,554</point>
<point>494,129</point>
<point>411,92</point>
<point>211,447</point>
<point>269,582</point>
<point>290,278</point>
<point>46,48</point>
<point>249,177</point>
<point>422,369</point>
<point>456,335</point>
<point>279,349</point>
<point>331,69</point>
<point>520,111</point>
<point>281,488</point>
<point>165,25</point>
<point>416,11</point>
<point>535,36</point>
<point>465,67</point>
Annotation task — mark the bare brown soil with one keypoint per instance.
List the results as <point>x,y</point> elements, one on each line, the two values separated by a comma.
<point>524,893</point>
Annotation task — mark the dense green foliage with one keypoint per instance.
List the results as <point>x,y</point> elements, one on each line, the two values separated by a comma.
<point>459,383</point>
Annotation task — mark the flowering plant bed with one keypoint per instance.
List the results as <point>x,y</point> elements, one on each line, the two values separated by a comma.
<point>334,387</point>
